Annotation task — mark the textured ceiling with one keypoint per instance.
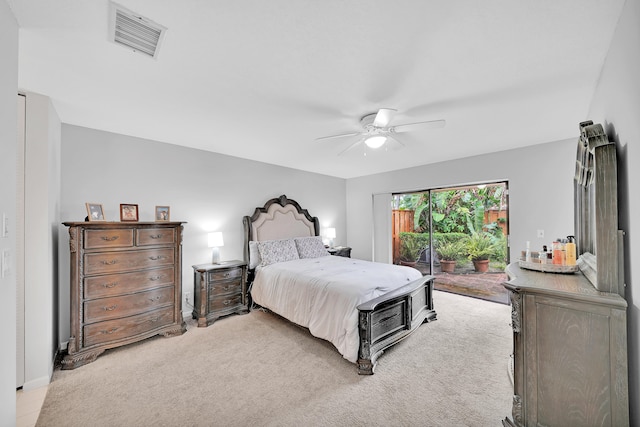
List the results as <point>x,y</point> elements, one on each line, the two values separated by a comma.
<point>262,79</point>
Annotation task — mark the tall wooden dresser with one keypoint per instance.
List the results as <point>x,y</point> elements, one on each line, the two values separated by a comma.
<point>126,285</point>
<point>570,330</point>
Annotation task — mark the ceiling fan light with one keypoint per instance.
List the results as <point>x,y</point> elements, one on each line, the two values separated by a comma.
<point>375,141</point>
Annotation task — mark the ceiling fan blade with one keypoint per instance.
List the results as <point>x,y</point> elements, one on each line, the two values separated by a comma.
<point>396,143</point>
<point>383,118</point>
<point>350,147</point>
<point>342,135</point>
<point>431,124</point>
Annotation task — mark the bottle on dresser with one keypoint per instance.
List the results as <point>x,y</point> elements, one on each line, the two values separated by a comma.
<point>570,251</point>
<point>558,252</point>
<point>542,255</point>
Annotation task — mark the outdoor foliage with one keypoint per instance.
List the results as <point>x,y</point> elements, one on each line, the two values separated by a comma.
<point>456,215</point>
<point>481,246</point>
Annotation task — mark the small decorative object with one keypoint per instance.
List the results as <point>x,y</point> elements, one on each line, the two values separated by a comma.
<point>162,213</point>
<point>330,234</point>
<point>95,212</point>
<point>215,241</point>
<point>128,212</point>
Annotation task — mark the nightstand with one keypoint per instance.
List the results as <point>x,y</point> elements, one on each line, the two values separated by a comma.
<point>344,251</point>
<point>219,290</point>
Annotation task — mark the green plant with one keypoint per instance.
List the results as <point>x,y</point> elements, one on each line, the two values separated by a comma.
<point>450,250</point>
<point>412,245</point>
<point>480,246</point>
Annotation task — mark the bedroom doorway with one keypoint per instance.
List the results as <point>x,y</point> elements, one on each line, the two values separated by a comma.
<point>458,234</point>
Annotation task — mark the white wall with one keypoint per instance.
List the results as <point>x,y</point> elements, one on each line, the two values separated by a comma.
<point>8,138</point>
<point>616,104</point>
<point>540,181</point>
<point>41,219</point>
<point>211,192</point>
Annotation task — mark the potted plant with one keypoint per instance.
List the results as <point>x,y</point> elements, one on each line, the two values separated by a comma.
<point>411,247</point>
<point>480,247</point>
<point>449,252</point>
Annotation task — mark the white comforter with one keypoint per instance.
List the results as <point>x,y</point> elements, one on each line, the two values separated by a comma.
<point>322,294</point>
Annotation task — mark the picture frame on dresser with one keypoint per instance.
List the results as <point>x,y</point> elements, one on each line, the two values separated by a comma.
<point>128,212</point>
<point>95,212</point>
<point>163,213</point>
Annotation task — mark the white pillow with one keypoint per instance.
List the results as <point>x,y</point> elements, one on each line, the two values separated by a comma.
<point>310,247</point>
<point>272,251</point>
<point>254,255</point>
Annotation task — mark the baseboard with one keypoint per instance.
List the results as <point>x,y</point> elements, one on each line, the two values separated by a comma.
<point>36,383</point>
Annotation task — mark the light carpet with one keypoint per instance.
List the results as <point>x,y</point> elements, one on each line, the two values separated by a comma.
<point>261,370</point>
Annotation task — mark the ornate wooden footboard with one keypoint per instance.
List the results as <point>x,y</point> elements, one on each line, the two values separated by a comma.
<point>392,317</point>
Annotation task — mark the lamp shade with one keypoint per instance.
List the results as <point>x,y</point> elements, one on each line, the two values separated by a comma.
<point>215,239</point>
<point>330,233</point>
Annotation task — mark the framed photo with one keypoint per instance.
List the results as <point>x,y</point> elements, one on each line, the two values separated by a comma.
<point>95,212</point>
<point>128,212</point>
<point>162,213</point>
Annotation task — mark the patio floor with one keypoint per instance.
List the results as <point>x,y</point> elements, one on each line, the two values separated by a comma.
<point>465,281</point>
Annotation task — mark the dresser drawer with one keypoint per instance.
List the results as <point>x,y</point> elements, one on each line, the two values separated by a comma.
<point>117,238</point>
<point>111,262</point>
<point>229,273</point>
<point>113,330</point>
<point>225,302</point>
<point>127,305</point>
<point>155,236</point>
<point>123,283</point>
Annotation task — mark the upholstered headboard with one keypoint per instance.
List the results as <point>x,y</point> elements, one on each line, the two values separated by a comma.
<point>279,218</point>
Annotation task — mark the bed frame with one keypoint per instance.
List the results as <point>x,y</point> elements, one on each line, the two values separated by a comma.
<point>383,321</point>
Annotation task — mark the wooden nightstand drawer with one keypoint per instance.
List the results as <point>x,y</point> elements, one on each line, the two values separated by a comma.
<point>123,283</point>
<point>225,302</point>
<point>225,287</point>
<point>116,238</point>
<point>155,236</point>
<point>121,306</point>
<point>225,274</point>
<point>111,262</point>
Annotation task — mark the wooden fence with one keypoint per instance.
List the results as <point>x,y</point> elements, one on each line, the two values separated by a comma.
<point>402,220</point>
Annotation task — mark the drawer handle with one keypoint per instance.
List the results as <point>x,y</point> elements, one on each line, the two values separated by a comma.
<point>109,262</point>
<point>109,332</point>
<point>154,319</point>
<point>156,298</point>
<point>156,258</point>
<point>227,302</point>
<point>156,236</point>
<point>113,307</point>
<point>110,239</point>
<point>110,285</point>
<point>155,278</point>
<point>227,274</point>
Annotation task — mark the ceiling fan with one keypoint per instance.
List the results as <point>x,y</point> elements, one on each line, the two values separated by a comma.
<point>376,131</point>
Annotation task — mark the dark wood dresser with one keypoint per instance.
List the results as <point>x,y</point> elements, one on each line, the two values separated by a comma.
<point>219,290</point>
<point>126,285</point>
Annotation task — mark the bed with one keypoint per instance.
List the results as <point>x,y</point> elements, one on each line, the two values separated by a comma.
<point>361,307</point>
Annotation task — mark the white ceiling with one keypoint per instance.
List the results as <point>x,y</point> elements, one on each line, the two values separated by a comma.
<point>262,79</point>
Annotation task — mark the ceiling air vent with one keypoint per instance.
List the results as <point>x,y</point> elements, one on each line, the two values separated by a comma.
<point>133,31</point>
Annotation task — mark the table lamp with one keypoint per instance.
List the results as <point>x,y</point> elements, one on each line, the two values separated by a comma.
<point>215,241</point>
<point>330,233</point>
